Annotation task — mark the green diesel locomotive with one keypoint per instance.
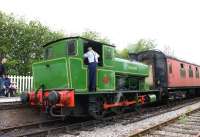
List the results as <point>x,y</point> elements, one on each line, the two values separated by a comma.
<point>61,81</point>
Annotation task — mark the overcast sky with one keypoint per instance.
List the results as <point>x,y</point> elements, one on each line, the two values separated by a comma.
<point>174,23</point>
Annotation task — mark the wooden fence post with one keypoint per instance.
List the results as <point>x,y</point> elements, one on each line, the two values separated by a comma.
<point>22,83</point>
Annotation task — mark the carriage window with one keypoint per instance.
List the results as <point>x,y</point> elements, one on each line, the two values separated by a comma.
<point>170,68</point>
<point>48,53</point>
<point>182,71</point>
<point>108,54</point>
<point>197,72</point>
<point>71,47</point>
<point>190,72</point>
<point>182,66</point>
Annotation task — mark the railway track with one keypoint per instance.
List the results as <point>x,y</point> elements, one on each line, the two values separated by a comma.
<point>74,127</point>
<point>187,125</point>
<point>12,105</point>
<point>20,129</point>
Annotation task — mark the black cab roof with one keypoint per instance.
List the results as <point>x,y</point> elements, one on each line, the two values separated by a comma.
<point>76,37</point>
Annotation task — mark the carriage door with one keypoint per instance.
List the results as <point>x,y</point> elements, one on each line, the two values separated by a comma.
<point>170,73</point>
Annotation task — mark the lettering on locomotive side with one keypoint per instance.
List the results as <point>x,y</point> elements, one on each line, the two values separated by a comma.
<point>132,68</point>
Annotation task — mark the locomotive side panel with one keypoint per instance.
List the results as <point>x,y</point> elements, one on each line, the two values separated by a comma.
<point>105,80</point>
<point>78,74</point>
<point>53,74</point>
<point>131,68</point>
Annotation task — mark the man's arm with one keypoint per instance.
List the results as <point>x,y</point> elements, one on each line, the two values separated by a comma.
<point>97,55</point>
<point>85,55</point>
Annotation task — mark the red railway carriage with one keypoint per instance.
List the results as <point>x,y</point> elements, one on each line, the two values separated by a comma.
<point>173,77</point>
<point>182,74</point>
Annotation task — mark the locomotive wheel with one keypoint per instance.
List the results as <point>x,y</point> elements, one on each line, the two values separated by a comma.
<point>96,107</point>
<point>118,110</point>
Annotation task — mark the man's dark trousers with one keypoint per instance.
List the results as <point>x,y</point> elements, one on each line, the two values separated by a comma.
<point>92,76</point>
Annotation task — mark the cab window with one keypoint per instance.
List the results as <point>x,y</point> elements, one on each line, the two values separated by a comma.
<point>71,47</point>
<point>48,53</point>
<point>108,54</point>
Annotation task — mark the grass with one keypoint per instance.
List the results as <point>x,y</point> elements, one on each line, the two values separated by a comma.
<point>182,119</point>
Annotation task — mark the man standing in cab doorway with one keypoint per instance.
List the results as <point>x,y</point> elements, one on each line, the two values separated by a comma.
<point>92,66</point>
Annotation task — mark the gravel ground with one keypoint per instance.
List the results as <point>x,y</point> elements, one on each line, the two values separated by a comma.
<point>119,130</point>
<point>14,117</point>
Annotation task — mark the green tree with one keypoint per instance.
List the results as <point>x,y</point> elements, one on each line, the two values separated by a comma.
<point>141,45</point>
<point>5,43</point>
<point>93,35</point>
<point>21,42</point>
<point>122,53</point>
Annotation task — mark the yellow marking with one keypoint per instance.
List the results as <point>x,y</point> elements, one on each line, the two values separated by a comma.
<point>76,47</point>
<point>131,73</point>
<point>68,80</point>
<point>105,89</point>
<point>49,60</point>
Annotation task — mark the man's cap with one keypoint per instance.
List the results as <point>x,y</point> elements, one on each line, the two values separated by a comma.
<point>89,47</point>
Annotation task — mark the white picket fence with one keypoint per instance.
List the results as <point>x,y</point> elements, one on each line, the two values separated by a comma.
<point>22,83</point>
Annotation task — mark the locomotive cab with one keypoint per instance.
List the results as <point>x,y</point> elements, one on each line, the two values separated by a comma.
<point>69,52</point>
<point>63,48</point>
